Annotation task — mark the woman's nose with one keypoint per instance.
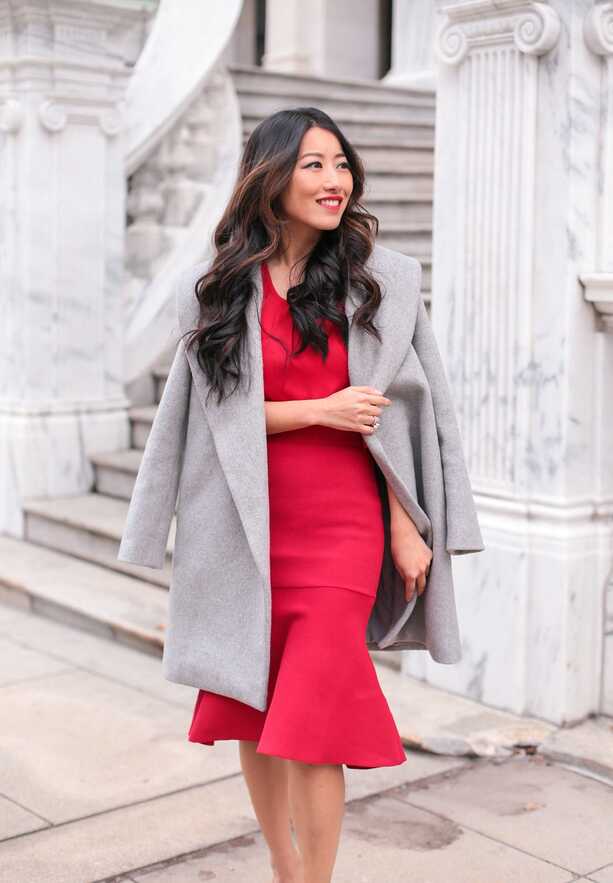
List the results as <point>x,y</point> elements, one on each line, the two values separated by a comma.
<point>332,179</point>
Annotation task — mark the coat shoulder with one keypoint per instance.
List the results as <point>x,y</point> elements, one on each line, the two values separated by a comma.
<point>388,258</point>
<point>401,275</point>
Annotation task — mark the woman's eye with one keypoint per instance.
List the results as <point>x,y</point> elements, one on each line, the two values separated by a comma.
<point>317,162</point>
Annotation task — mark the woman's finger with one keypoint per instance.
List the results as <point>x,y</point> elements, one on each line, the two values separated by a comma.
<point>409,588</point>
<point>421,583</point>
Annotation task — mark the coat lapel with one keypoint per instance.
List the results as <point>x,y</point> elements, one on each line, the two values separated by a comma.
<point>238,424</point>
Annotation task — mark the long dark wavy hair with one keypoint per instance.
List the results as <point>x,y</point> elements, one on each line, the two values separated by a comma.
<point>250,231</point>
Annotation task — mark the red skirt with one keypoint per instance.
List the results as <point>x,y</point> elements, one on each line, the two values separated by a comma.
<point>325,703</point>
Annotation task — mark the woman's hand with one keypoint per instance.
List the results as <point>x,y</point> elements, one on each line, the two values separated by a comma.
<point>352,409</point>
<point>411,556</point>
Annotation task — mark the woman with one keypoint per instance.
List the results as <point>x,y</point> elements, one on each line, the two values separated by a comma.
<point>334,518</point>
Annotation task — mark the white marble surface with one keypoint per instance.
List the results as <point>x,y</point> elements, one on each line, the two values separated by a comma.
<point>516,210</point>
<point>607,691</point>
<point>151,327</point>
<point>330,38</point>
<point>413,26</point>
<point>183,46</point>
<point>62,242</point>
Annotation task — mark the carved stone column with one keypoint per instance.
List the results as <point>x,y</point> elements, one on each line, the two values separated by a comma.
<point>597,279</point>
<point>327,38</point>
<point>412,44</point>
<point>63,70</point>
<point>515,208</point>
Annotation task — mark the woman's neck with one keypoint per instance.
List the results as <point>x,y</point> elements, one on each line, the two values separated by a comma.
<point>298,243</point>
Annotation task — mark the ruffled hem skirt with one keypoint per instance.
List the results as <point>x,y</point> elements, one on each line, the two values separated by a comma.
<point>325,703</point>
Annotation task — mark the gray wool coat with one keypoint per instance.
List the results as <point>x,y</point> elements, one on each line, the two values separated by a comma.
<point>208,463</point>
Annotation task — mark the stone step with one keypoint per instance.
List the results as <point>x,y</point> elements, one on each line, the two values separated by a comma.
<point>380,154</point>
<point>89,527</point>
<point>159,373</point>
<point>416,243</point>
<point>404,161</point>
<point>141,419</point>
<point>368,141</point>
<point>115,472</point>
<point>379,157</point>
<point>259,80</point>
<point>393,211</point>
<point>408,226</point>
<point>414,188</point>
<point>255,103</point>
<point>84,595</point>
<point>355,127</point>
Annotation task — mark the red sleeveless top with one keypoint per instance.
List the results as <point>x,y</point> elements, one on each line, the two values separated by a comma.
<point>326,522</point>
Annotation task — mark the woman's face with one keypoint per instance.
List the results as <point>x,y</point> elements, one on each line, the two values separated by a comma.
<point>321,173</point>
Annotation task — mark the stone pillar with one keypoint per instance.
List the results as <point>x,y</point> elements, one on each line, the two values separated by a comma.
<point>597,279</point>
<point>293,38</point>
<point>516,201</point>
<point>413,23</point>
<point>64,67</point>
<point>325,38</point>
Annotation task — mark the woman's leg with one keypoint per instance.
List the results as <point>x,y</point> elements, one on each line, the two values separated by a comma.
<point>267,781</point>
<point>317,803</point>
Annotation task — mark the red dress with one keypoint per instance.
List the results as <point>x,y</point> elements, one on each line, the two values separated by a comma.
<point>325,704</point>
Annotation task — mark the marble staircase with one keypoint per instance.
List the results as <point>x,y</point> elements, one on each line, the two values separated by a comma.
<point>66,566</point>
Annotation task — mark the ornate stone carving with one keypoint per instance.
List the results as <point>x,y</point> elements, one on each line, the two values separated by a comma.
<point>598,28</point>
<point>167,189</point>
<point>52,116</point>
<point>536,31</point>
<point>533,27</point>
<point>11,116</point>
<point>451,44</point>
<point>112,121</point>
<point>598,290</point>
<point>145,237</point>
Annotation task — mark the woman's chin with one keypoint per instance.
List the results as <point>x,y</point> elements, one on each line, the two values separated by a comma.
<point>327,223</point>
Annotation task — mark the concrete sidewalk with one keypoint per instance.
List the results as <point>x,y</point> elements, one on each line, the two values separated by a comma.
<point>98,782</point>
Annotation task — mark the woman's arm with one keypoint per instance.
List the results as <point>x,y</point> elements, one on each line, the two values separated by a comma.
<point>399,517</point>
<point>410,554</point>
<point>350,409</point>
<point>296,414</point>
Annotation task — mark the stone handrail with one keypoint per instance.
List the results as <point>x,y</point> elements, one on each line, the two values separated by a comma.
<point>184,44</point>
<point>183,148</point>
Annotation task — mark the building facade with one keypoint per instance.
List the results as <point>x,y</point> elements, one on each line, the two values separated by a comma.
<point>487,131</point>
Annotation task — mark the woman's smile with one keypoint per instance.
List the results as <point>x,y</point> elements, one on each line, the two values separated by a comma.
<point>331,203</point>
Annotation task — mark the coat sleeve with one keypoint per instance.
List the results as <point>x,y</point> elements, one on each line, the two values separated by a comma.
<point>463,531</point>
<point>154,497</point>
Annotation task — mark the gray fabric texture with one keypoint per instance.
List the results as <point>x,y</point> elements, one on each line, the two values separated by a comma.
<point>208,463</point>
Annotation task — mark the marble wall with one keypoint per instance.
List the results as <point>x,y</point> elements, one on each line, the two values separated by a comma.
<point>63,72</point>
<point>598,282</point>
<point>517,199</point>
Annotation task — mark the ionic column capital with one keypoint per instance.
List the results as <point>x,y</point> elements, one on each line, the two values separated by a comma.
<point>11,115</point>
<point>532,26</point>
<point>598,28</point>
